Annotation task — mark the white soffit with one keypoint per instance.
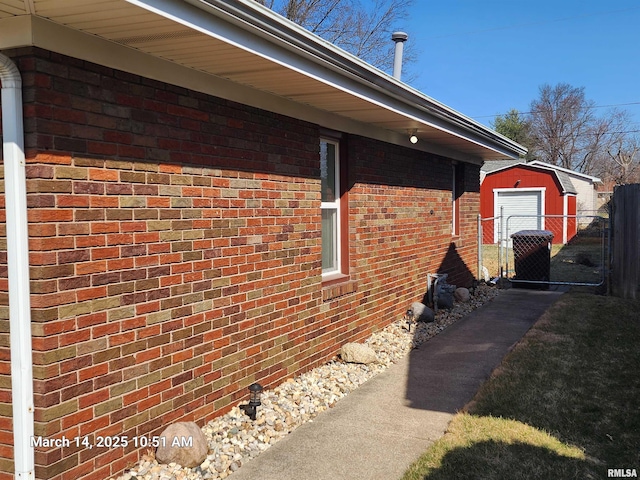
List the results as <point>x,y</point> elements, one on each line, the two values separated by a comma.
<point>270,57</point>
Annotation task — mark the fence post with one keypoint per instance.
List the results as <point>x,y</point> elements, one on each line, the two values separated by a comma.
<point>500,264</point>
<point>625,273</point>
<point>479,277</point>
<point>609,260</point>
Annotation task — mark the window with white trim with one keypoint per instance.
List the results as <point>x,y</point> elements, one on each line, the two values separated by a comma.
<point>330,206</point>
<point>457,189</point>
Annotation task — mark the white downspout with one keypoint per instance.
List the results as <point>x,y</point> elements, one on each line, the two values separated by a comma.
<point>18,265</point>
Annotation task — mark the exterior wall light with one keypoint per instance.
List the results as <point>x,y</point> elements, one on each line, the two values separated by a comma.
<point>251,408</point>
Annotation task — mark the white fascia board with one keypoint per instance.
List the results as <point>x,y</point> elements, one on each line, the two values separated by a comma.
<point>566,170</point>
<point>336,57</point>
<point>307,58</point>
<point>16,32</point>
<point>257,17</point>
<point>36,31</point>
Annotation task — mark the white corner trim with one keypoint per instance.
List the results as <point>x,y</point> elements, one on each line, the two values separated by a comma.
<point>565,211</point>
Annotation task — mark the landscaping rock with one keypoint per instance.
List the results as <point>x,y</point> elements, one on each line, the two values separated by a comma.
<point>235,440</point>
<point>358,353</point>
<point>461,295</point>
<point>422,313</point>
<point>178,434</point>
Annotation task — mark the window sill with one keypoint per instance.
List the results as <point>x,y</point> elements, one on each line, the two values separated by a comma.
<point>338,285</point>
<point>332,278</point>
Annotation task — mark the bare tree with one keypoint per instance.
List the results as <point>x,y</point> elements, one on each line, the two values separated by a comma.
<point>606,132</point>
<point>625,161</point>
<point>361,28</point>
<point>567,132</point>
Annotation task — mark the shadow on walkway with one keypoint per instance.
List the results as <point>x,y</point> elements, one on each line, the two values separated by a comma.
<point>381,428</point>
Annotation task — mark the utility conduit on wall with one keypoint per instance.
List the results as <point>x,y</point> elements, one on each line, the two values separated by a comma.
<point>18,266</point>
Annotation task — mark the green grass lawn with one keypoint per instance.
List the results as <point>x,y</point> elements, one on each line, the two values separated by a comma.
<point>565,403</point>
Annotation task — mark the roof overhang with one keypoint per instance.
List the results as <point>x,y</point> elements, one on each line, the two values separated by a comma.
<point>242,51</point>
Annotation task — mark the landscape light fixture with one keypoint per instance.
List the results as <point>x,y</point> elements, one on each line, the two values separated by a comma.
<point>409,319</point>
<point>251,408</point>
<point>412,136</point>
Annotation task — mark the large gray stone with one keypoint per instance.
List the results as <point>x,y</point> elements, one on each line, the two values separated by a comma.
<point>178,434</point>
<point>422,313</point>
<point>358,353</point>
<point>461,294</point>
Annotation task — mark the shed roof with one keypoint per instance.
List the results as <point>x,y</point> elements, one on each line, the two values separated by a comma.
<point>563,178</point>
<point>571,173</point>
<point>230,47</point>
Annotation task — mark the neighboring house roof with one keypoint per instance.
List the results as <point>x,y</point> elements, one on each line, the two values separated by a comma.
<point>561,174</point>
<point>242,51</point>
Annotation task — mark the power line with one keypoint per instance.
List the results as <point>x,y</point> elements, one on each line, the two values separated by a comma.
<point>584,134</point>
<point>529,113</point>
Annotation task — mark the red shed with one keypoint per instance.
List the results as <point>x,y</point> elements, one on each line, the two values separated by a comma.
<point>532,197</point>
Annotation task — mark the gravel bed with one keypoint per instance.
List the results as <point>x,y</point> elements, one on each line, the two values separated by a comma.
<point>234,439</point>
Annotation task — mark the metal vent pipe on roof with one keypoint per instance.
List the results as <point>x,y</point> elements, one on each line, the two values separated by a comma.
<point>399,38</point>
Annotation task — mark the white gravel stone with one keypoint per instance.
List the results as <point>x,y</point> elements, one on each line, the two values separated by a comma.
<point>233,440</point>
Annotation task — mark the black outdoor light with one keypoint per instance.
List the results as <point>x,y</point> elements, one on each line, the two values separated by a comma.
<point>255,389</point>
<point>409,318</point>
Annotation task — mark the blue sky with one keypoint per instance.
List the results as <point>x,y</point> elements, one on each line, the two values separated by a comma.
<point>484,57</point>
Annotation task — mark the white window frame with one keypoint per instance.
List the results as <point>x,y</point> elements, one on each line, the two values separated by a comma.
<point>334,206</point>
<point>454,230</point>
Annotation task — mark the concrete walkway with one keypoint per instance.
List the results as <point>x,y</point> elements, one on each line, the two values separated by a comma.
<point>382,427</point>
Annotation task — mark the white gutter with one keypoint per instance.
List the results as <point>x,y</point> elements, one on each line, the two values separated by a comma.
<point>262,20</point>
<point>287,44</point>
<point>18,263</point>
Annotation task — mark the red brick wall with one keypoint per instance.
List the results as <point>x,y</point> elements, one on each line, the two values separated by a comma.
<point>175,254</point>
<point>401,217</point>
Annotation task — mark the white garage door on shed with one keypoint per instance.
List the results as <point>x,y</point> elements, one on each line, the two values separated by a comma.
<point>522,210</point>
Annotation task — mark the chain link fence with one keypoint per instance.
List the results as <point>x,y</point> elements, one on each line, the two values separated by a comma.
<point>542,250</point>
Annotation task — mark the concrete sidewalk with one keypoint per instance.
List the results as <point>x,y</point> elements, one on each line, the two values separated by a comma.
<point>382,427</point>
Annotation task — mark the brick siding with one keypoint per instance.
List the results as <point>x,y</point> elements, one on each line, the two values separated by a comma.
<point>175,254</point>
